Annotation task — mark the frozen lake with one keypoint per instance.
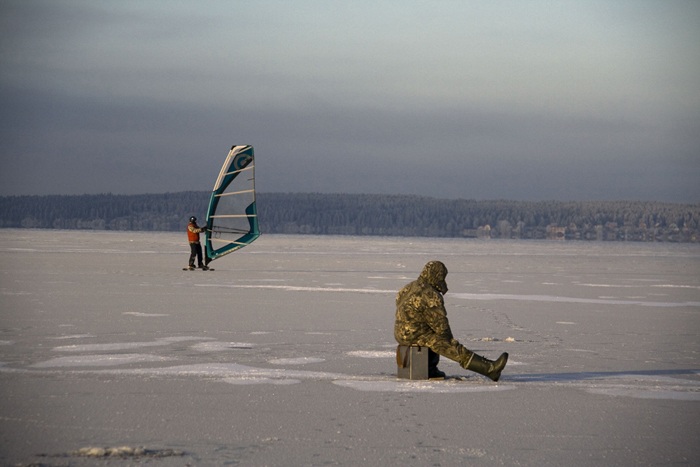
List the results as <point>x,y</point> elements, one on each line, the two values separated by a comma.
<point>284,356</point>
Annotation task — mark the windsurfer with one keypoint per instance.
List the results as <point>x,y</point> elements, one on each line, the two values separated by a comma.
<point>193,231</point>
<point>421,319</point>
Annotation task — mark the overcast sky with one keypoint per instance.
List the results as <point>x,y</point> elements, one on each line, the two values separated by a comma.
<point>525,100</point>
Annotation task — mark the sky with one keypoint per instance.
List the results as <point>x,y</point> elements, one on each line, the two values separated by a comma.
<point>476,99</point>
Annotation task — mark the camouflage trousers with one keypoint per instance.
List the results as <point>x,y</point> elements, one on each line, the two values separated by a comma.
<point>449,348</point>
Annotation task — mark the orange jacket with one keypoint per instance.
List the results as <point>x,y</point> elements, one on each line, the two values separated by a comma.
<point>193,232</point>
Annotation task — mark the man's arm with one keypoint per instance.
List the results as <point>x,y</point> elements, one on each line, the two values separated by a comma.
<point>194,229</point>
<point>436,316</point>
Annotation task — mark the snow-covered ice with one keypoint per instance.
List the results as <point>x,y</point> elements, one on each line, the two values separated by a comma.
<point>285,354</point>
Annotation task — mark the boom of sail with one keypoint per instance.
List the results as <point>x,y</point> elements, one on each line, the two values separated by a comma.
<point>232,220</point>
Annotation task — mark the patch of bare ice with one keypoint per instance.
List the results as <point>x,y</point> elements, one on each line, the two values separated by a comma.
<point>674,286</point>
<point>244,381</point>
<point>218,346</point>
<point>420,386</point>
<point>645,385</point>
<point>372,354</point>
<point>228,370</point>
<point>646,393</point>
<point>297,288</point>
<point>74,336</point>
<point>551,298</point>
<point>296,361</point>
<point>11,292</point>
<point>657,379</point>
<point>146,315</point>
<point>126,345</point>
<point>99,360</point>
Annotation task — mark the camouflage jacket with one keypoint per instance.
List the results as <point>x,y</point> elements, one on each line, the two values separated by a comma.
<point>420,308</point>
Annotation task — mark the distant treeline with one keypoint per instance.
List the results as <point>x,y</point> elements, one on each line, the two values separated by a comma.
<point>347,214</point>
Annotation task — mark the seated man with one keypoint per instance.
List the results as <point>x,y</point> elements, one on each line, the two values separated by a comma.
<point>421,319</point>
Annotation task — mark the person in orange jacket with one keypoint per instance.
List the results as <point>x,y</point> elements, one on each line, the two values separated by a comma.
<point>193,231</point>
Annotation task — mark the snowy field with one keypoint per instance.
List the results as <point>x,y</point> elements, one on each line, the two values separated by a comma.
<point>284,356</point>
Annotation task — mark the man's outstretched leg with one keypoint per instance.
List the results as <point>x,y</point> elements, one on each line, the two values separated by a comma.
<point>483,366</point>
<point>466,358</point>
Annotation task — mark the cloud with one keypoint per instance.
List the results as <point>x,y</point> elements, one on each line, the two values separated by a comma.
<point>558,101</point>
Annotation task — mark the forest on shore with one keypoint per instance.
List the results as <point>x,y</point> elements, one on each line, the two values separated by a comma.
<point>368,214</point>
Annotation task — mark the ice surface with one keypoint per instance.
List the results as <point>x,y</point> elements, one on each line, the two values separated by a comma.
<point>296,361</point>
<point>298,288</point>
<point>372,354</point>
<point>440,387</point>
<point>99,360</point>
<point>125,345</point>
<point>147,315</point>
<point>285,355</point>
<point>549,298</point>
<point>647,393</point>
<point>75,336</point>
<point>220,346</point>
<point>261,380</point>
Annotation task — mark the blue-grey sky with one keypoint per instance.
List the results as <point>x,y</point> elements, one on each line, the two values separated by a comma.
<point>531,100</point>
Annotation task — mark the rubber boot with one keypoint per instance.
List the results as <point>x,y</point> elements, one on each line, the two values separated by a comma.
<point>433,360</point>
<point>486,367</point>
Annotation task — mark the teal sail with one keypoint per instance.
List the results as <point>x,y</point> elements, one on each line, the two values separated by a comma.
<point>232,220</point>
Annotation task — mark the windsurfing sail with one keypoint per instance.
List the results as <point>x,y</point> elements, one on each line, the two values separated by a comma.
<point>232,220</point>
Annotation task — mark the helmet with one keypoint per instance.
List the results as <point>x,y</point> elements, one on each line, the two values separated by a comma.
<point>193,219</point>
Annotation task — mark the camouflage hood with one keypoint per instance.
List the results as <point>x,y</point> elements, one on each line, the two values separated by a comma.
<point>434,273</point>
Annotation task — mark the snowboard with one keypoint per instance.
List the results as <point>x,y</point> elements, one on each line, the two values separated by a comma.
<point>198,269</point>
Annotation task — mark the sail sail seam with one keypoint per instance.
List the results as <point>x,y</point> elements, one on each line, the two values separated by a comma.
<point>236,193</point>
<point>228,242</point>
<point>239,171</point>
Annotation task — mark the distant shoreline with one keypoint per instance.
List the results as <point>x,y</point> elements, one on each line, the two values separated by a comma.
<point>370,215</point>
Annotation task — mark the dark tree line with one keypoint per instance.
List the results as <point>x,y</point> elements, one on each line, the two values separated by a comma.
<point>347,214</point>
<point>162,212</point>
